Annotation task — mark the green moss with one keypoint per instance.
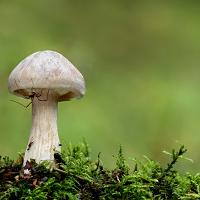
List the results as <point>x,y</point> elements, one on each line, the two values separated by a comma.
<point>75,176</point>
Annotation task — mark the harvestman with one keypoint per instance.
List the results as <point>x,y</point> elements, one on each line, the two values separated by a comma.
<point>33,94</point>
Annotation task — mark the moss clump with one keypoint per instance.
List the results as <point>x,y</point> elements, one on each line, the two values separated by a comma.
<point>75,176</point>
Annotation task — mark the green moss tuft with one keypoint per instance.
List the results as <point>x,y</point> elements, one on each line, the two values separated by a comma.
<point>75,176</point>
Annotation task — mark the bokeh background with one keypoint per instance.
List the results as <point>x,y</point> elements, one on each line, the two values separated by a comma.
<point>141,63</point>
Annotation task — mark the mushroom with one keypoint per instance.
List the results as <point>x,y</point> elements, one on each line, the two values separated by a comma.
<point>45,77</point>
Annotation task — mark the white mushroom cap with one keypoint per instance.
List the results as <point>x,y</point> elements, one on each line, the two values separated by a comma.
<point>46,70</point>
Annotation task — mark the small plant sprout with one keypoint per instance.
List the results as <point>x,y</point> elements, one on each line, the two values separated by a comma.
<point>45,77</point>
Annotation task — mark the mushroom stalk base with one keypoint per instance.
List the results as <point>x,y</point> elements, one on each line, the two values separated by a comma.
<point>43,140</point>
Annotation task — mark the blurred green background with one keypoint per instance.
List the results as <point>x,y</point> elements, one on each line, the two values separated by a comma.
<point>140,60</point>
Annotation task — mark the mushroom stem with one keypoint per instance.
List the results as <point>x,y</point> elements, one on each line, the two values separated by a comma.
<point>43,140</point>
